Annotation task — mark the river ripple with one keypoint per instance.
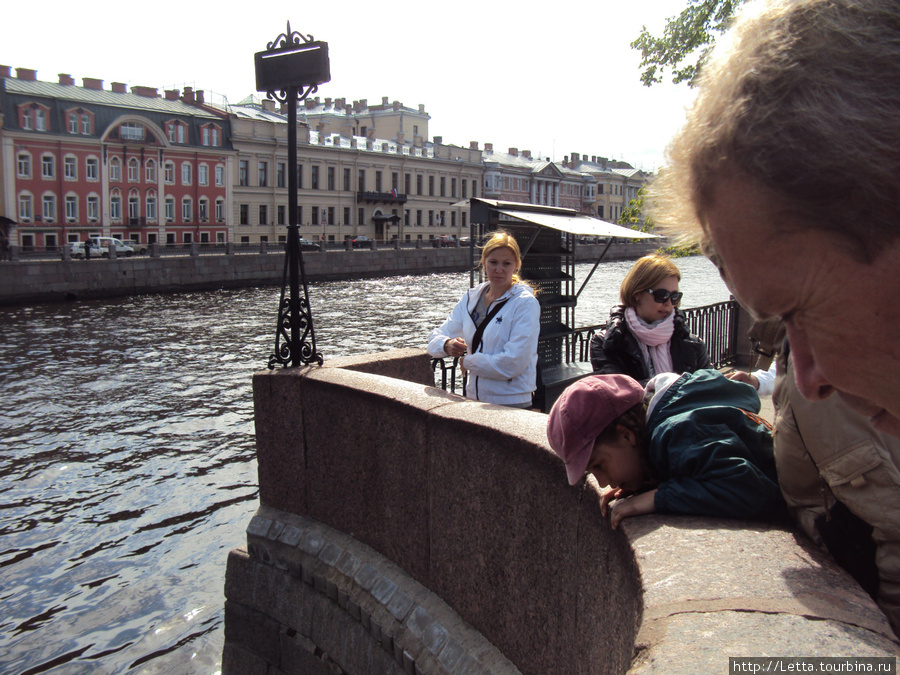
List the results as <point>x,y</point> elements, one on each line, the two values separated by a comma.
<point>127,455</point>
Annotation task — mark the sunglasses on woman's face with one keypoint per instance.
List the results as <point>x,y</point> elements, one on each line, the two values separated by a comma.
<point>661,295</point>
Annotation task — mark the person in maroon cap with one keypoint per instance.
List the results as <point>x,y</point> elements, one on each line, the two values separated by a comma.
<point>691,444</point>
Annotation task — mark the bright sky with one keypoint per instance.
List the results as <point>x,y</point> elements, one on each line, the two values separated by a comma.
<point>553,78</point>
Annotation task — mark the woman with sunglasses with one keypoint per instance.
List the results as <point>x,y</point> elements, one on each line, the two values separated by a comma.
<point>646,334</point>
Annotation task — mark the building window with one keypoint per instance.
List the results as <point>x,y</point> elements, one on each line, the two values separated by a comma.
<point>40,119</point>
<point>215,137</point>
<point>443,187</point>
<point>300,176</point>
<point>129,131</point>
<point>205,136</point>
<point>203,174</point>
<point>150,171</point>
<point>220,175</point>
<point>186,173</point>
<point>315,215</point>
<point>73,123</point>
<point>48,166</point>
<point>263,214</point>
<point>282,218</point>
<point>378,181</point>
<point>419,185</point>
<point>263,174</point>
<point>151,208</point>
<point>169,173</point>
<point>92,168</point>
<point>170,209</point>
<point>48,207</point>
<point>86,126</point>
<point>93,208</point>
<point>71,208</point>
<point>280,173</point>
<point>406,183</point>
<point>347,186</point>
<point>115,207</point>
<point>244,173</point>
<point>314,177</point>
<point>134,207</point>
<point>361,180</point>
<point>431,186</point>
<point>26,210</point>
<point>134,170</point>
<point>330,220</point>
<point>453,188</point>
<point>245,214</point>
<point>115,169</point>
<point>346,215</point>
<point>220,210</point>
<point>464,189</point>
<point>203,209</point>
<point>23,165</point>
<point>186,210</point>
<point>331,178</point>
<point>395,181</point>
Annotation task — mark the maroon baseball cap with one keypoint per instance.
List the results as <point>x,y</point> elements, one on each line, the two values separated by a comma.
<point>583,411</point>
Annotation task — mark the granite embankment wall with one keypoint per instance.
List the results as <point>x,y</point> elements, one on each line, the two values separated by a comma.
<point>403,529</point>
<point>26,281</point>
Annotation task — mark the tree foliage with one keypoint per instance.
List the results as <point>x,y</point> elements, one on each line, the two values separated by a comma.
<point>690,34</point>
<point>632,217</point>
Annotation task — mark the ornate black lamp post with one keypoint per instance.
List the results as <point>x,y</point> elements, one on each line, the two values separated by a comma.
<point>294,65</point>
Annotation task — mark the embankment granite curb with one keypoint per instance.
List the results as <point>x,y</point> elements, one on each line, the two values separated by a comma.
<point>57,280</point>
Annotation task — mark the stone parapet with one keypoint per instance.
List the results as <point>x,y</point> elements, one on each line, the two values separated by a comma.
<point>465,502</point>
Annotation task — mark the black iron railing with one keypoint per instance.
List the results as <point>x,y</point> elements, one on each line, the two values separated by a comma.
<point>715,324</point>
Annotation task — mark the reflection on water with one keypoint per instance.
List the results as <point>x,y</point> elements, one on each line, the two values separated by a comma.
<point>127,467</point>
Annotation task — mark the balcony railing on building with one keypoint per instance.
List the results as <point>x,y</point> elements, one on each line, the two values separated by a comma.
<point>381,198</point>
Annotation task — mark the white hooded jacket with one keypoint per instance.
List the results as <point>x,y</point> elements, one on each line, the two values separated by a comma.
<point>504,369</point>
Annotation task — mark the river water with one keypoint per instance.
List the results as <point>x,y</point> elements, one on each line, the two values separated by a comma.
<point>127,466</point>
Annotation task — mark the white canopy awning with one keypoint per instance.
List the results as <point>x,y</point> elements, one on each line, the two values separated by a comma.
<point>577,224</point>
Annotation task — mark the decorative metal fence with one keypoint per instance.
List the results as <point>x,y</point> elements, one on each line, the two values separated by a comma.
<point>715,324</point>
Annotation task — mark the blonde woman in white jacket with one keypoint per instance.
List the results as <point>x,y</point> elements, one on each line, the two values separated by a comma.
<point>502,365</point>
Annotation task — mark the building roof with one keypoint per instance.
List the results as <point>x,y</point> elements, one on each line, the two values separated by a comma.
<point>128,100</point>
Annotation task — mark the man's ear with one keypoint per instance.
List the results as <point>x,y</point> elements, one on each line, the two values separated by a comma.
<point>626,434</point>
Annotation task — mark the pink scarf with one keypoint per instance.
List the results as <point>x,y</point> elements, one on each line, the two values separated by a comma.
<point>654,340</point>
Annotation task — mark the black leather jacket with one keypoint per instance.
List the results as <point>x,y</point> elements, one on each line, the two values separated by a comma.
<point>616,350</point>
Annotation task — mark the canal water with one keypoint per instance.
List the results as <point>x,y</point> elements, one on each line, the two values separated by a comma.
<point>127,467</point>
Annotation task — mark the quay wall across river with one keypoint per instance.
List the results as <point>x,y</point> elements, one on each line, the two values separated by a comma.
<point>26,281</point>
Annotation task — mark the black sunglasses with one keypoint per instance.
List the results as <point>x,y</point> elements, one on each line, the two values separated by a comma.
<point>661,295</point>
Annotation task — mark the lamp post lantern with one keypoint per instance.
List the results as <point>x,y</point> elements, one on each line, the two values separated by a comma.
<point>293,65</point>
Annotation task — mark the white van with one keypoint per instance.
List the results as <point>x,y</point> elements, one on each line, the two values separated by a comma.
<point>100,248</point>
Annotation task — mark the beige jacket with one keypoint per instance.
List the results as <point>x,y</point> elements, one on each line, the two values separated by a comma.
<point>825,450</point>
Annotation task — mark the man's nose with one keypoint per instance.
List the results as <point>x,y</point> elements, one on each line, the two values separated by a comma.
<point>810,380</point>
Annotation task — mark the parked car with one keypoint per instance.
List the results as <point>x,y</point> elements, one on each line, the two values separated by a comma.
<point>442,241</point>
<point>307,245</point>
<point>360,241</point>
<point>100,247</point>
<point>139,248</point>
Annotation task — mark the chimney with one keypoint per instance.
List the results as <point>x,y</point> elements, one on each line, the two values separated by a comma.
<point>92,83</point>
<point>327,101</point>
<point>310,104</point>
<point>421,107</point>
<point>66,80</point>
<point>4,71</point>
<point>384,101</point>
<point>348,110</point>
<point>118,87</point>
<point>565,161</point>
<point>396,106</point>
<point>473,145</point>
<point>147,92</point>
<point>400,137</point>
<point>171,94</point>
<point>268,105</point>
<point>438,140</point>
<point>526,154</point>
<point>340,102</point>
<point>26,74</point>
<point>363,103</point>
<point>489,147</point>
<point>514,152</point>
<point>200,98</point>
<point>187,97</point>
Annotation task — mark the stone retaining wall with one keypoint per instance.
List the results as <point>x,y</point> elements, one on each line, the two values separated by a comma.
<point>463,514</point>
<point>47,280</point>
